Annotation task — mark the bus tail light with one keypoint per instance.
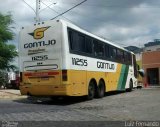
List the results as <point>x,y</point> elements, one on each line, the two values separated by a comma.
<point>20,76</point>
<point>64,75</point>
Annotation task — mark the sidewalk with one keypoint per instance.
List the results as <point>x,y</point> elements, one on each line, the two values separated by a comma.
<point>10,94</point>
<point>151,87</point>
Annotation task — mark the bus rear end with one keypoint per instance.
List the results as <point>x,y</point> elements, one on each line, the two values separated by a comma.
<point>41,59</point>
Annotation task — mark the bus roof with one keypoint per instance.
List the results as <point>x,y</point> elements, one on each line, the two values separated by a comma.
<point>76,27</point>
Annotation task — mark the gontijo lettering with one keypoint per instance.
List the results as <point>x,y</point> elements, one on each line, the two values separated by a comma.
<point>104,65</point>
<point>39,44</point>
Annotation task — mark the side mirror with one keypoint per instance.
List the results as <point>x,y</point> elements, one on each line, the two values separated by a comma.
<point>141,72</point>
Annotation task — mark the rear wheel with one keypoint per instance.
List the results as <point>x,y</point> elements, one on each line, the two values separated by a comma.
<point>101,89</point>
<point>91,91</point>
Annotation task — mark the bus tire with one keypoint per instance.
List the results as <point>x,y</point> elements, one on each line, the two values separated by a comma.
<point>91,90</point>
<point>101,89</point>
<point>130,86</point>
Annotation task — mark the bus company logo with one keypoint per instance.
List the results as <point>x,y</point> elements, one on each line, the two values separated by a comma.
<point>39,32</point>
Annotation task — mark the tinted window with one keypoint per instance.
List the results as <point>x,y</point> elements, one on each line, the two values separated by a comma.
<point>127,58</point>
<point>98,48</point>
<point>70,35</point>
<point>81,43</point>
<point>135,66</point>
<point>120,57</point>
<point>113,52</point>
<point>107,51</point>
<point>88,45</point>
<point>73,40</point>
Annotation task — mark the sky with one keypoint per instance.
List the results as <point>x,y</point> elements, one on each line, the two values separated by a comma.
<point>124,22</point>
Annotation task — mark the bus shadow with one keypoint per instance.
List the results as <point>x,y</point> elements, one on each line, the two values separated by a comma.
<point>112,93</point>
<point>62,101</point>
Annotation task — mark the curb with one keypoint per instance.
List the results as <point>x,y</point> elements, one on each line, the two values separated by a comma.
<point>10,95</point>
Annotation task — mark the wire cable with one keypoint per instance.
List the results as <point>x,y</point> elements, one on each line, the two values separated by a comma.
<point>69,9</point>
<point>47,6</point>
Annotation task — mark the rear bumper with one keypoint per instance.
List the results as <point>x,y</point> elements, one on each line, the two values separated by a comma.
<point>46,90</point>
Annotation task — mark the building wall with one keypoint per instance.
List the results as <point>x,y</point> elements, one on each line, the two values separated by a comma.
<point>150,60</point>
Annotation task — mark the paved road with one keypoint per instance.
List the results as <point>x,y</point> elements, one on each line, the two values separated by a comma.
<point>136,105</point>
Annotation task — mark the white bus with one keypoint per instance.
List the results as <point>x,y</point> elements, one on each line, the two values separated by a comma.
<point>58,58</point>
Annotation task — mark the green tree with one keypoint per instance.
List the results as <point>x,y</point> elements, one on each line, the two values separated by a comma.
<point>7,51</point>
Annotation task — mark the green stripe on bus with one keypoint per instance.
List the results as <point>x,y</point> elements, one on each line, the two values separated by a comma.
<point>123,77</point>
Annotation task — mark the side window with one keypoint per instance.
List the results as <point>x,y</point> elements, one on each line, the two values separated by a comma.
<point>126,57</point>
<point>113,52</point>
<point>98,48</point>
<point>81,43</point>
<point>129,59</point>
<point>107,55</point>
<point>72,37</point>
<point>89,46</point>
<point>135,66</point>
<point>76,41</point>
<point>120,57</point>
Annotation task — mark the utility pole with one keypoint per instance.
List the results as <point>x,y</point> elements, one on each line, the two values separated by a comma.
<point>37,10</point>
